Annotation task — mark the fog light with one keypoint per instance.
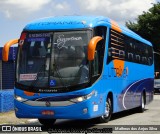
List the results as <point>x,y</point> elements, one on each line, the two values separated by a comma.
<point>85,110</point>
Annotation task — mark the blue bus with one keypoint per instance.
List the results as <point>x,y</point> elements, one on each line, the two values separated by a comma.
<point>80,67</point>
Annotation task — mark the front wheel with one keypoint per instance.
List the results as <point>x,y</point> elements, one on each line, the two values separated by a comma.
<point>108,111</point>
<point>47,122</point>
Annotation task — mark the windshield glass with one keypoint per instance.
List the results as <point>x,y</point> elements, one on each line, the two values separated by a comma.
<point>33,59</point>
<point>69,64</point>
<point>52,60</point>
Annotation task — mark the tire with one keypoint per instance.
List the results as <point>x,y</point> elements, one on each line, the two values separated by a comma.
<point>142,106</point>
<point>108,112</point>
<point>47,122</point>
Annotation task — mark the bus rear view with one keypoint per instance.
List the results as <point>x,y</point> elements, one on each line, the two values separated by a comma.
<point>81,67</point>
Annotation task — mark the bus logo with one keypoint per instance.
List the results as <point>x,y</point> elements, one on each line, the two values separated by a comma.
<point>48,104</point>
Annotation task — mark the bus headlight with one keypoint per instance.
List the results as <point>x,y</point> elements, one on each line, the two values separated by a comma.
<point>82,98</point>
<point>18,98</point>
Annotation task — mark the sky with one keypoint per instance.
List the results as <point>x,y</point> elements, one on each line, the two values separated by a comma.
<point>15,14</point>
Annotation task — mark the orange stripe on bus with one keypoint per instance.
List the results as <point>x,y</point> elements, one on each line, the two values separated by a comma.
<point>115,26</point>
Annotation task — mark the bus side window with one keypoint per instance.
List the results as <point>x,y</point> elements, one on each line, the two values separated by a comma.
<point>96,65</point>
<point>98,60</point>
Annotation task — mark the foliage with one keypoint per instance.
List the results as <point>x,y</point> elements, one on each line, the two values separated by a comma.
<point>148,26</point>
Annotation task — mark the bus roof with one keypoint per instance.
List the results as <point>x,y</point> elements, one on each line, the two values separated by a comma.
<point>78,22</point>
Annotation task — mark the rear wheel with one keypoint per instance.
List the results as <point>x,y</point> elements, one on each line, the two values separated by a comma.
<point>108,111</point>
<point>47,122</point>
<point>142,106</point>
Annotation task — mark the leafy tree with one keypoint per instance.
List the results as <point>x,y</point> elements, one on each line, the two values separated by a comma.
<point>148,26</point>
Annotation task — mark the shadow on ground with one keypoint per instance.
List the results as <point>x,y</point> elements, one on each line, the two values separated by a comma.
<point>87,124</point>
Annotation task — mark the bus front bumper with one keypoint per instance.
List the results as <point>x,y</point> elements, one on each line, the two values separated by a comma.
<point>82,110</point>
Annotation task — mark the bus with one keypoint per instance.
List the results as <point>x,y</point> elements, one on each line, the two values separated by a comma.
<point>80,67</point>
<point>157,72</point>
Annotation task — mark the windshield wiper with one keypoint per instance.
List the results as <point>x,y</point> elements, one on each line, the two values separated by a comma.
<point>59,76</point>
<point>34,83</point>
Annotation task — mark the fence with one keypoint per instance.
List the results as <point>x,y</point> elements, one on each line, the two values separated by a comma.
<point>7,75</point>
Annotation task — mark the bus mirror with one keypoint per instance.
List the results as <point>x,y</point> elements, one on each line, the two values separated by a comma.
<point>92,46</point>
<point>5,51</point>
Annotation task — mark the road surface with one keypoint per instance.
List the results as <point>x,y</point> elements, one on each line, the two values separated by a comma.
<point>151,116</point>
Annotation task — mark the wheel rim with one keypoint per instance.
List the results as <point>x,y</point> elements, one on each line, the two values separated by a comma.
<point>107,110</point>
<point>143,106</point>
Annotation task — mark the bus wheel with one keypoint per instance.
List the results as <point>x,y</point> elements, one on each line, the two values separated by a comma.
<point>47,122</point>
<point>108,112</point>
<point>142,106</point>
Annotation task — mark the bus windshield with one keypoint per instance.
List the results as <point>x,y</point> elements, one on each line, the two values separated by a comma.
<point>53,59</point>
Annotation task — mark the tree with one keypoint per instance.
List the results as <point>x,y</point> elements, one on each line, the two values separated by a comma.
<point>148,26</point>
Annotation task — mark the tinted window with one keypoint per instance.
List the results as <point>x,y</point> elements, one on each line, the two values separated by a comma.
<point>126,48</point>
